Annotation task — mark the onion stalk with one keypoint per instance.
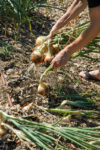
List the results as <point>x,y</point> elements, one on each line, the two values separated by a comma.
<point>40,40</point>
<point>48,55</point>
<point>86,113</point>
<point>80,104</point>
<point>45,72</point>
<point>33,132</point>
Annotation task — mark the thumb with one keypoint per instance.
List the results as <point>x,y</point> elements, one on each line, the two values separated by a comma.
<point>50,35</point>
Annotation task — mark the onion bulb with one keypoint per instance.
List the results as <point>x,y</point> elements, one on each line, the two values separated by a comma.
<point>48,57</point>
<point>67,119</point>
<point>44,48</point>
<point>40,40</point>
<point>55,48</point>
<point>36,57</point>
<point>43,88</point>
<point>1,131</point>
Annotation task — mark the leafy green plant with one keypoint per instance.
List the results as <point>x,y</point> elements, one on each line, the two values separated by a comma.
<point>5,50</point>
<point>20,11</point>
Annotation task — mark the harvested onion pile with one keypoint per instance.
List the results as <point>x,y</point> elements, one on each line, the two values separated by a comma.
<point>44,51</point>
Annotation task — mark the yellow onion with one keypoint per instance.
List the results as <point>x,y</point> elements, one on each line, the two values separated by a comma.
<point>37,57</point>
<point>55,48</point>
<point>43,88</point>
<point>40,40</point>
<point>43,48</point>
<point>67,119</point>
<point>1,131</point>
<point>48,57</point>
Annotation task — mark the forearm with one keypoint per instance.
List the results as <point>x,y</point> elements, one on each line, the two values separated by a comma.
<point>84,38</point>
<point>72,12</point>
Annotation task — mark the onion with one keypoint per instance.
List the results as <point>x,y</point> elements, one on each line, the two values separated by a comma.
<point>40,40</point>
<point>44,48</point>
<point>55,48</point>
<point>67,119</point>
<point>48,56</point>
<point>43,88</point>
<point>1,131</point>
<point>37,57</point>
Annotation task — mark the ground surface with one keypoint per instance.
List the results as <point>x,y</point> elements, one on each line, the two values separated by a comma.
<point>21,81</point>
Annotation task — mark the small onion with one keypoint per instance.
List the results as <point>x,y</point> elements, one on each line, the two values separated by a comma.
<point>48,58</point>
<point>43,88</point>
<point>67,119</point>
<point>36,57</point>
<point>1,131</point>
<point>40,40</point>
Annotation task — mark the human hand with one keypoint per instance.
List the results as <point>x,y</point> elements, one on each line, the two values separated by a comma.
<point>60,59</point>
<point>51,35</point>
<point>52,32</point>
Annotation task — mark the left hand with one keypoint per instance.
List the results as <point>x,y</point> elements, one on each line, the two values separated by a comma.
<point>60,59</point>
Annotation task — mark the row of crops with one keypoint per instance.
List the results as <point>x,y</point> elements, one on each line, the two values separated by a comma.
<point>21,11</point>
<point>18,11</point>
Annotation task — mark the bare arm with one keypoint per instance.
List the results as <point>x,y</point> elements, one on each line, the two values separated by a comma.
<point>76,7</point>
<point>84,38</point>
<point>90,33</point>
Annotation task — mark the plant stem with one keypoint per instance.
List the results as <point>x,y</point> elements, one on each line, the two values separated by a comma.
<point>45,73</point>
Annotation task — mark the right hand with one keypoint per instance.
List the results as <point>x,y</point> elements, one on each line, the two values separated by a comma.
<point>60,59</point>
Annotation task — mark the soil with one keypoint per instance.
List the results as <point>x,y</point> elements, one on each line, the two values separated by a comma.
<point>21,79</point>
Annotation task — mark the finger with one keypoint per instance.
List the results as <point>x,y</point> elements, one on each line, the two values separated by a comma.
<point>55,65</point>
<point>50,37</point>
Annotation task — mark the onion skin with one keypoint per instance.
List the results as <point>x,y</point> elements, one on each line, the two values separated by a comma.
<point>36,57</point>
<point>43,88</point>
<point>48,57</point>
<point>1,132</point>
<point>48,60</point>
<point>40,40</point>
<point>67,119</point>
<point>45,48</point>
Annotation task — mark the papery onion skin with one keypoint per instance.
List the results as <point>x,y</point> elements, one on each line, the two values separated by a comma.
<point>40,40</point>
<point>45,48</point>
<point>36,57</point>
<point>43,89</point>
<point>1,132</point>
<point>41,48</point>
<point>48,60</point>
